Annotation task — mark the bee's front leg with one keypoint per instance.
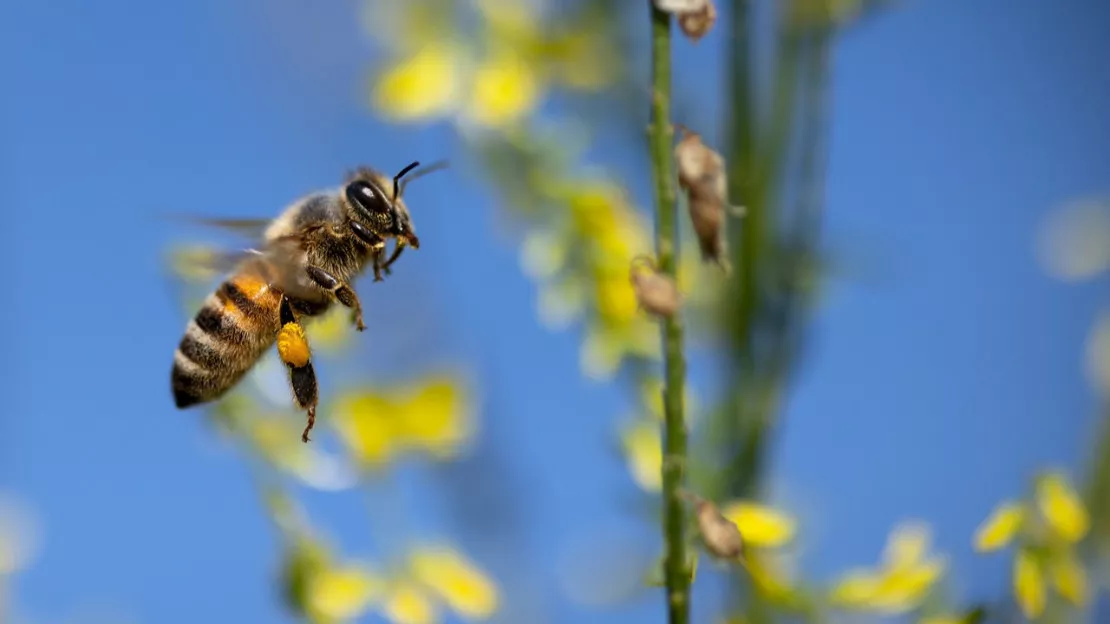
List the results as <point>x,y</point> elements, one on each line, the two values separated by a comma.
<point>398,247</point>
<point>292,346</point>
<point>379,265</point>
<point>343,292</point>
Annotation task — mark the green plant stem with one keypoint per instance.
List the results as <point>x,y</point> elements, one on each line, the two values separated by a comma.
<point>660,137</point>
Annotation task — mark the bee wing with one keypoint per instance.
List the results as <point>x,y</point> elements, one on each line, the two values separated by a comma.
<point>253,229</point>
<point>201,262</point>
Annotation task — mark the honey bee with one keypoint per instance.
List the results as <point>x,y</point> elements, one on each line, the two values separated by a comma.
<point>306,259</point>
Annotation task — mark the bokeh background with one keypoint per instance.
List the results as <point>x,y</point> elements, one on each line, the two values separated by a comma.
<point>490,420</point>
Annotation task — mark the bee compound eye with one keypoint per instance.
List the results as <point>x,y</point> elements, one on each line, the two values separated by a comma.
<point>366,197</point>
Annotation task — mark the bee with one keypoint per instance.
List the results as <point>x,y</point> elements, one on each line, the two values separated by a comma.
<point>306,260</point>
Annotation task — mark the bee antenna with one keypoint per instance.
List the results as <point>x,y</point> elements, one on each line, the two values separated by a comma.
<point>437,165</point>
<point>397,178</point>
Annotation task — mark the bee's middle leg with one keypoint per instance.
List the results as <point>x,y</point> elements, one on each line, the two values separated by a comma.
<point>292,347</point>
<point>342,291</point>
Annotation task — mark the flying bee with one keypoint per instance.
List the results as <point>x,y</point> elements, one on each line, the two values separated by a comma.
<point>306,259</point>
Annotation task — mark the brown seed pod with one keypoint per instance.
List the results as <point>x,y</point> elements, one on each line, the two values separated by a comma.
<point>695,24</point>
<point>695,17</point>
<point>701,173</point>
<point>656,293</point>
<point>719,534</point>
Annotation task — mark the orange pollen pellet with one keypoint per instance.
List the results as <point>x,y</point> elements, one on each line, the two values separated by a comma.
<point>292,345</point>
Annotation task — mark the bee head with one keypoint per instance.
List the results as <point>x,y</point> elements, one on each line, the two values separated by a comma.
<point>384,211</point>
<point>370,202</point>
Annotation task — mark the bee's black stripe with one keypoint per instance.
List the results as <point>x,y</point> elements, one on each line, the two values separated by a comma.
<point>188,388</point>
<point>203,354</point>
<point>219,325</point>
<point>229,291</point>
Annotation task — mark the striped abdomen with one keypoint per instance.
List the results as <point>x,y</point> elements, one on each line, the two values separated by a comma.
<point>234,327</point>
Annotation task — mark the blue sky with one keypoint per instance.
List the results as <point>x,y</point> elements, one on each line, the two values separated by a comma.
<point>938,379</point>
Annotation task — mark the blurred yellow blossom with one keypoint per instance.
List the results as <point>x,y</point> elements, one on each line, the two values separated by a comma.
<point>1069,577</point>
<point>643,448</point>
<point>1029,586</point>
<point>456,581</point>
<point>760,525</point>
<point>504,90</point>
<point>426,84</point>
<point>321,588</point>
<point>432,74</point>
<point>769,576</point>
<point>433,416</point>
<point>408,603</point>
<point>432,576</point>
<point>999,529</point>
<point>1061,507</point>
<point>1046,551</point>
<point>342,593</point>
<point>435,576</point>
<point>906,575</point>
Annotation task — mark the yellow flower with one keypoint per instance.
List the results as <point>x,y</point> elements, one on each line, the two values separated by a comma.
<point>760,526</point>
<point>504,89</point>
<point>408,603</point>
<point>1069,577</point>
<point>768,578</point>
<point>433,417</point>
<point>644,450</point>
<point>1029,585</point>
<point>436,574</point>
<point>902,581</point>
<point>616,301</point>
<point>365,423</point>
<point>1000,528</point>
<point>1044,554</point>
<point>342,593</point>
<point>436,417</point>
<point>1061,507</point>
<point>457,582</point>
<point>424,85</point>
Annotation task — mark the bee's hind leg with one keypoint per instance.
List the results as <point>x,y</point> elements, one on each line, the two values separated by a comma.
<point>292,346</point>
<point>343,292</point>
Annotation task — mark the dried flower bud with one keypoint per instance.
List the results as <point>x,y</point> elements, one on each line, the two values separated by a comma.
<point>695,17</point>
<point>701,173</point>
<point>719,534</point>
<point>656,293</point>
<point>695,24</point>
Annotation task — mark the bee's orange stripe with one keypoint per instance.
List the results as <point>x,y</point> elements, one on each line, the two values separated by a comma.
<point>248,298</point>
